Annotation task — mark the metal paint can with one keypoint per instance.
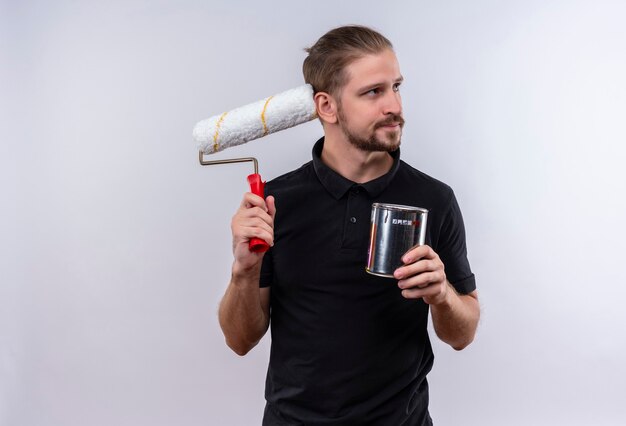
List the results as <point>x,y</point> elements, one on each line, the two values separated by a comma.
<point>394,230</point>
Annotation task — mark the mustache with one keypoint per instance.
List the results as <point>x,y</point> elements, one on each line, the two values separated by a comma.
<point>389,121</point>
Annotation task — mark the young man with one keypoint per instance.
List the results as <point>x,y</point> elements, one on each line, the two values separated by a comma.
<point>348,348</point>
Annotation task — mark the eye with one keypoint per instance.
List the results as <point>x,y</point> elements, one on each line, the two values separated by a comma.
<point>372,92</point>
<point>396,87</point>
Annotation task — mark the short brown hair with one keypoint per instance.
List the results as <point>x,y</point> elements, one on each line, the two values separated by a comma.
<point>324,67</point>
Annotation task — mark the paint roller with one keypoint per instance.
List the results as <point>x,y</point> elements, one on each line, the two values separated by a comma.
<point>254,121</point>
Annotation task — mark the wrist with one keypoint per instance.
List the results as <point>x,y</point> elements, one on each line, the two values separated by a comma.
<point>244,272</point>
<point>445,301</point>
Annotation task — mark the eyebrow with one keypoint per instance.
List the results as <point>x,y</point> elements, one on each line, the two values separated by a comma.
<point>374,85</point>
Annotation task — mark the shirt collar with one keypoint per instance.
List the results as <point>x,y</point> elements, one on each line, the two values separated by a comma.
<point>338,185</point>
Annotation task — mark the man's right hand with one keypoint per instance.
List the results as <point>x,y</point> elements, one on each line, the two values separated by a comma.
<point>254,218</point>
<point>244,312</point>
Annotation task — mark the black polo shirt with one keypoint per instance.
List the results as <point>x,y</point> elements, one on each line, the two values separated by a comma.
<point>347,348</point>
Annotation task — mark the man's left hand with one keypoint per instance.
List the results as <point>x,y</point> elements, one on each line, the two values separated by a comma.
<point>423,276</point>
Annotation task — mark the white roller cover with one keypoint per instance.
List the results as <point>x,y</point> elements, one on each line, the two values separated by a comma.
<point>258,119</point>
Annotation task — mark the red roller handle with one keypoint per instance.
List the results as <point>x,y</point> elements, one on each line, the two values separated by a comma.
<point>257,187</point>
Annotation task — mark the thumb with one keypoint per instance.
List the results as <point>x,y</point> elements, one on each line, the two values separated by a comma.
<point>271,206</point>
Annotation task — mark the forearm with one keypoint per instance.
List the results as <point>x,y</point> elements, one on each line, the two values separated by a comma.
<point>242,317</point>
<point>455,319</point>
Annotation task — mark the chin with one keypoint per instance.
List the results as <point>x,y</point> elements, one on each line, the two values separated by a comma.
<point>394,147</point>
<point>393,141</point>
<point>388,141</point>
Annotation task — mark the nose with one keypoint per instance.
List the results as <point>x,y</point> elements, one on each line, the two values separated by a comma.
<point>392,103</point>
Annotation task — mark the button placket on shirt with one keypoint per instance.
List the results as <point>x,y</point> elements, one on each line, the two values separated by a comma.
<point>354,224</point>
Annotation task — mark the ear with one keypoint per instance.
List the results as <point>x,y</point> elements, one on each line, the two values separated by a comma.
<point>326,107</point>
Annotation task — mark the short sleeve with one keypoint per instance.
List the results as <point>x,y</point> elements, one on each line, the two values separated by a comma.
<point>452,249</point>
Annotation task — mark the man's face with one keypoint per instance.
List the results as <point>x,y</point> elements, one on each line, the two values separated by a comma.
<point>370,108</point>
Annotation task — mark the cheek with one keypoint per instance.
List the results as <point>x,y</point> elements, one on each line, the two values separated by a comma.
<point>366,119</point>
<point>360,119</point>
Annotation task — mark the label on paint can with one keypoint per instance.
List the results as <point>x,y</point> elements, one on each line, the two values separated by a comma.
<point>394,230</point>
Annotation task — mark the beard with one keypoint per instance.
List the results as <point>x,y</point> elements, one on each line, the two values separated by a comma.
<point>372,143</point>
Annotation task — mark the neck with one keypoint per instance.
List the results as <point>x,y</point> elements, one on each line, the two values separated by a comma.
<point>352,163</point>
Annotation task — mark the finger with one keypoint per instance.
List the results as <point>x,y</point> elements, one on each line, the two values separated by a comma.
<point>255,212</point>
<point>243,234</point>
<point>241,223</point>
<point>414,293</point>
<point>430,292</point>
<point>421,281</point>
<point>257,232</point>
<point>253,200</point>
<point>271,206</point>
<point>419,293</point>
<point>255,222</point>
<point>244,230</point>
<point>415,268</point>
<point>416,253</point>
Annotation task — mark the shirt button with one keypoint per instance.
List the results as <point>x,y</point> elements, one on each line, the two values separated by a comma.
<point>353,219</point>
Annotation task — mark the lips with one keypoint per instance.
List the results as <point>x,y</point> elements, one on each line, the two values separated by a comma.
<point>390,126</point>
<point>391,123</point>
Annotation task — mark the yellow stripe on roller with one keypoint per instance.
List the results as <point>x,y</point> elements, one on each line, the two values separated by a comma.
<point>265,129</point>
<point>217,132</point>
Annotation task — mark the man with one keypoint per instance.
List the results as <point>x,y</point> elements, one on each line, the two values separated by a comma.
<point>348,348</point>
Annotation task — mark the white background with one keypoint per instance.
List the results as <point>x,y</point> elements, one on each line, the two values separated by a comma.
<point>115,243</point>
